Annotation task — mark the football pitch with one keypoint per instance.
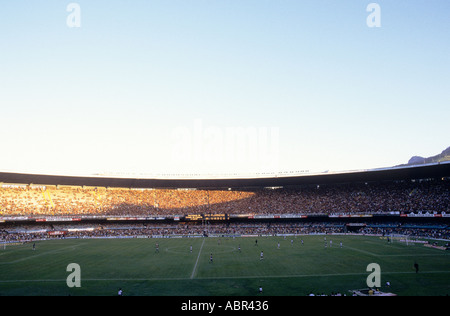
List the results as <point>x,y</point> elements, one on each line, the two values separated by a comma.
<point>289,266</point>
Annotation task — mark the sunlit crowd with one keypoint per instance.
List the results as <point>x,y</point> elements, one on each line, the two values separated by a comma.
<point>369,198</point>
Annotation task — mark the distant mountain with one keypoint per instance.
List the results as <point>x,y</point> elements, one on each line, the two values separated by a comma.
<point>417,160</point>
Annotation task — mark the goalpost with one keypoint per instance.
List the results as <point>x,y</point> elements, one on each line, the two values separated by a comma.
<point>400,238</point>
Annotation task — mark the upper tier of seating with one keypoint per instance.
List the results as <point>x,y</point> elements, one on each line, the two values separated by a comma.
<point>350,198</point>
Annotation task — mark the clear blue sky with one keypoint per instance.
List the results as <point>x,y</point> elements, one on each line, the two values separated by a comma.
<point>157,86</point>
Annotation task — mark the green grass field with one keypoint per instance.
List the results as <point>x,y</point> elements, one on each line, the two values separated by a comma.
<point>292,270</point>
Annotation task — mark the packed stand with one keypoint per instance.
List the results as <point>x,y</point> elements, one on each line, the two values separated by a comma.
<point>371,198</point>
<point>28,232</point>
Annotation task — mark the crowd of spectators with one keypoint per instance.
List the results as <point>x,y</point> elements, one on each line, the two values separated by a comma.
<point>419,231</point>
<point>369,198</point>
<point>28,232</point>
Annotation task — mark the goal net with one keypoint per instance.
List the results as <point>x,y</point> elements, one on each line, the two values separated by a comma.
<point>403,239</point>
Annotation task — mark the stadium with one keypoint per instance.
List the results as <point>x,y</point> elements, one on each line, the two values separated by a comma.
<point>205,150</point>
<point>278,236</point>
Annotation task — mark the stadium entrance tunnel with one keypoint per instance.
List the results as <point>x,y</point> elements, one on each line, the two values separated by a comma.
<point>354,227</point>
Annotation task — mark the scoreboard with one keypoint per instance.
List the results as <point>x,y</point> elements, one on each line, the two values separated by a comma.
<point>206,217</point>
<point>216,217</point>
<point>195,217</point>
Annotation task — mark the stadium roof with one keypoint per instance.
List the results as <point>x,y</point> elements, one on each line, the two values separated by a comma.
<point>435,171</point>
